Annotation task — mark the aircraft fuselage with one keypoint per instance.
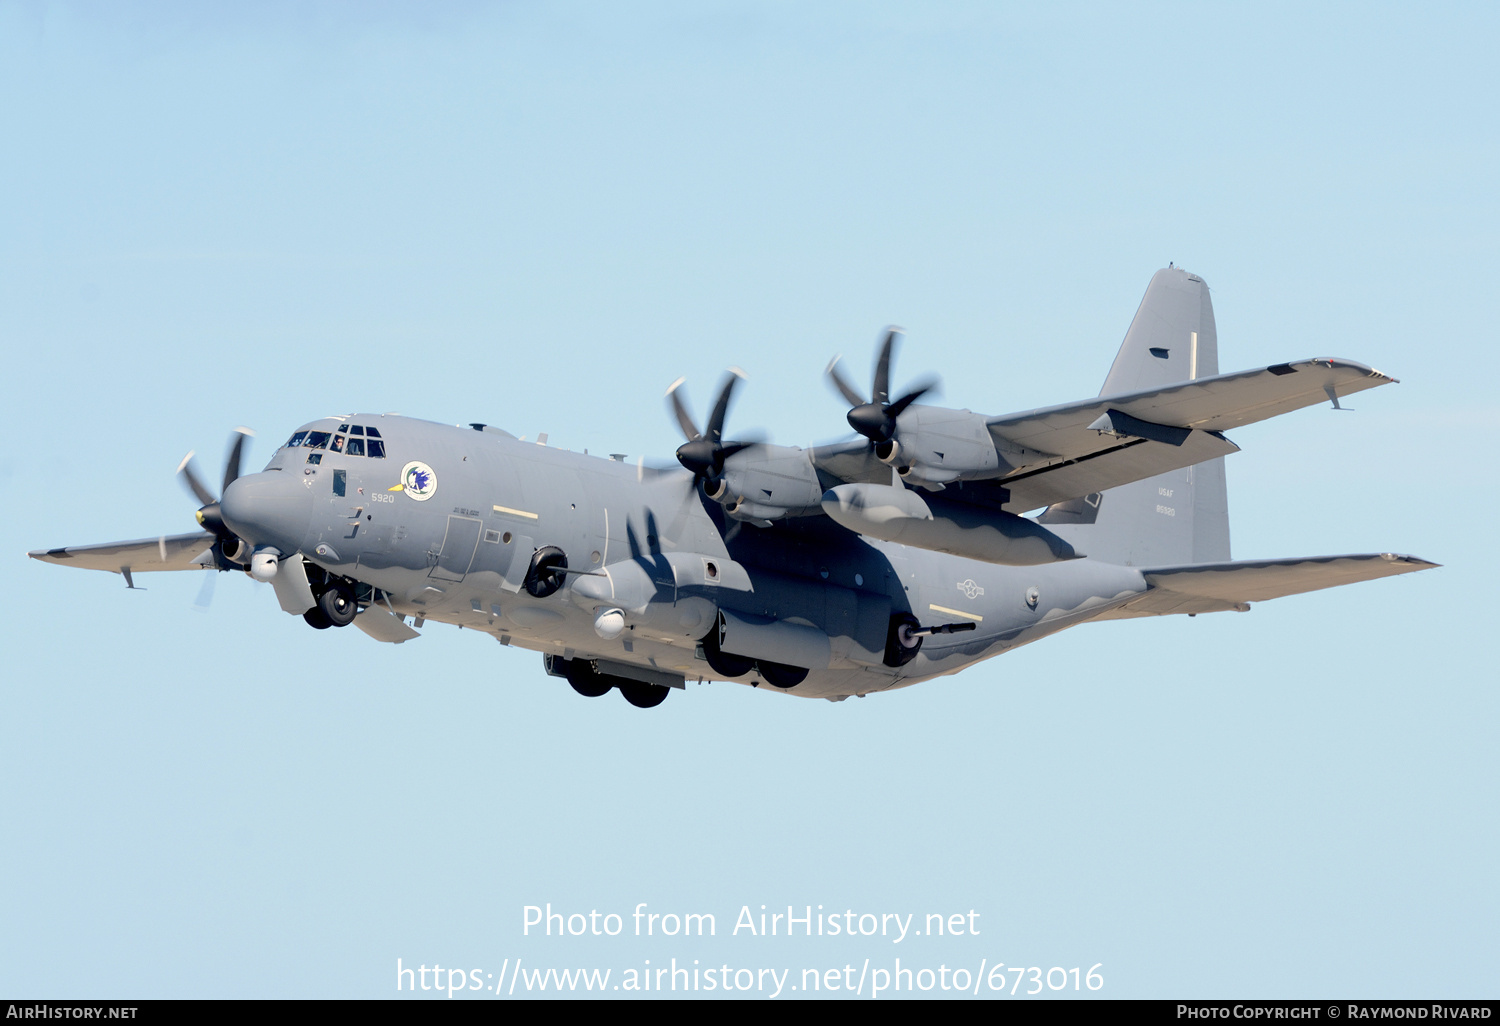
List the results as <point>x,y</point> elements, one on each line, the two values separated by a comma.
<point>445,524</point>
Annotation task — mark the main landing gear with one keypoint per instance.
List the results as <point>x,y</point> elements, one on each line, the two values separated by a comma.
<point>584,677</point>
<point>726,664</point>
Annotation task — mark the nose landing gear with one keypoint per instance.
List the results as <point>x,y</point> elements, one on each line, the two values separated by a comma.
<point>335,607</point>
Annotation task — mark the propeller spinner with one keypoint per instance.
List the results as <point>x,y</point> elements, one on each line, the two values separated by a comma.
<point>228,547</point>
<point>705,451</point>
<point>875,418</point>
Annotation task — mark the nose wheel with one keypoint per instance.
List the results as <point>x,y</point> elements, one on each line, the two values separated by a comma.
<point>335,607</point>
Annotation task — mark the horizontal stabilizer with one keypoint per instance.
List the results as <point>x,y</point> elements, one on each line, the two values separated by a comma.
<point>168,552</point>
<point>1217,587</point>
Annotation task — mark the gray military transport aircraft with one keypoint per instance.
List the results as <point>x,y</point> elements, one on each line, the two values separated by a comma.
<point>839,570</point>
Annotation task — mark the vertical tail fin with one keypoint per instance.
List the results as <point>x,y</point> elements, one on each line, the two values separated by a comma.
<point>1177,517</point>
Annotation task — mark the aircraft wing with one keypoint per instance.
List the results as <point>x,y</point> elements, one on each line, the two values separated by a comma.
<point>1217,587</point>
<point>1093,447</point>
<point>1063,452</point>
<point>168,552</point>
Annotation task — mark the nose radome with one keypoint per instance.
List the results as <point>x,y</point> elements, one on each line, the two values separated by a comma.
<point>269,508</point>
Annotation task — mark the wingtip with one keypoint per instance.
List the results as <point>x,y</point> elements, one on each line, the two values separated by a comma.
<point>1409,562</point>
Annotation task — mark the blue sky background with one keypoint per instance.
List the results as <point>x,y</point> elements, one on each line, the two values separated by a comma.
<point>539,216</point>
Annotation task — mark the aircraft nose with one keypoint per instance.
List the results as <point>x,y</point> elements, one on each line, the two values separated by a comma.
<point>269,508</point>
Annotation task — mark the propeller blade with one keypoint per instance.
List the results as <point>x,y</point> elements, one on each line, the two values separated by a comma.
<point>842,384</point>
<point>728,449</point>
<point>883,367</point>
<point>684,419</point>
<point>715,429</point>
<point>206,592</point>
<point>899,406</point>
<point>193,482</point>
<point>232,461</point>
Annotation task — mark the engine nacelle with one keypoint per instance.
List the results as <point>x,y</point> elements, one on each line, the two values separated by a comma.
<point>935,445</point>
<point>769,482</point>
<point>235,550</point>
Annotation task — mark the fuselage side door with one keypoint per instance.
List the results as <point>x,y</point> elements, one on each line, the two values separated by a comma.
<point>457,553</point>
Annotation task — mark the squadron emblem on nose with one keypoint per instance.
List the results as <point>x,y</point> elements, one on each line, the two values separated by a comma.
<point>418,481</point>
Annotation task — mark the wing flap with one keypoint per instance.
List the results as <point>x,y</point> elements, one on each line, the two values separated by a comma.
<point>1132,460</point>
<point>1218,587</point>
<point>168,552</point>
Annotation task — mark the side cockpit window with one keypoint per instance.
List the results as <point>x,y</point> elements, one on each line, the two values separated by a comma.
<point>316,440</point>
<point>296,439</point>
<point>374,447</point>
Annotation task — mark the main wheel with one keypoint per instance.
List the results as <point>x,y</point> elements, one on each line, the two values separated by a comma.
<point>586,680</point>
<point>318,619</point>
<point>643,695</point>
<point>338,605</point>
<point>780,675</point>
<point>721,662</point>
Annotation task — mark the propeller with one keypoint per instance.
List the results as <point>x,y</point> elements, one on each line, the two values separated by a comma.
<point>875,418</point>
<point>705,451</point>
<point>227,547</point>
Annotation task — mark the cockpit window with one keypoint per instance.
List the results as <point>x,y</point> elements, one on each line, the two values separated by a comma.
<point>348,441</point>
